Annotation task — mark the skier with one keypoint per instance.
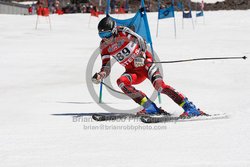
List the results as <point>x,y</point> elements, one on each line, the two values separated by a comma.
<point>130,50</point>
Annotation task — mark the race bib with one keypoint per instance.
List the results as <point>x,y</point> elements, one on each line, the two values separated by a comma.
<point>127,53</point>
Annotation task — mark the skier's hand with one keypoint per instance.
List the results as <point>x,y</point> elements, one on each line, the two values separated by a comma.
<point>96,79</point>
<point>139,61</point>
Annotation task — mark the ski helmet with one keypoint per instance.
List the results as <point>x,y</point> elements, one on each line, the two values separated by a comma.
<point>106,27</point>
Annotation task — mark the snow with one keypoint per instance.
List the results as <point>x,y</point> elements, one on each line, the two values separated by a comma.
<point>43,84</point>
<point>208,1</point>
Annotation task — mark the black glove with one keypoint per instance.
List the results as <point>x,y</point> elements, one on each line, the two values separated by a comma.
<point>96,79</point>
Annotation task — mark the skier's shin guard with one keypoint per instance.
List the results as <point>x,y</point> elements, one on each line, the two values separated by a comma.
<point>125,84</point>
<point>160,86</point>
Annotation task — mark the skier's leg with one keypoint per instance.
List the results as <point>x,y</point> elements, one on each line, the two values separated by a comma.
<point>154,75</point>
<point>158,83</point>
<point>126,81</point>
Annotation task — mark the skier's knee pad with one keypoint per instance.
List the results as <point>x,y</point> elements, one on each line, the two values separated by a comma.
<point>123,80</point>
<point>160,86</point>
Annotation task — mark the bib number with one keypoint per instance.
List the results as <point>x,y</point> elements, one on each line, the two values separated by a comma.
<point>123,54</point>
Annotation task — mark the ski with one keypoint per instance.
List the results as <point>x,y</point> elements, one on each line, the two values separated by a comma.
<point>158,119</point>
<point>112,116</point>
<point>154,118</point>
<point>115,116</point>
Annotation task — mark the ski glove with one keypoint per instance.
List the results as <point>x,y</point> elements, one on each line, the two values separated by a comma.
<point>139,61</point>
<point>96,79</point>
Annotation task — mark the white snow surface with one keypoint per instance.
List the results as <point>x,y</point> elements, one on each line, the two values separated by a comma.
<point>43,84</point>
<point>208,1</point>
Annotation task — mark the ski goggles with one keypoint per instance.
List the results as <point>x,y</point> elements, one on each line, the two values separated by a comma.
<point>105,34</point>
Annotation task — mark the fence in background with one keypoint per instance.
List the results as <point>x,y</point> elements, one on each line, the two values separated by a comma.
<point>12,8</point>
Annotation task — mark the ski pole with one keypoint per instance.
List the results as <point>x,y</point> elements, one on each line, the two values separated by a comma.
<point>198,59</point>
<point>109,87</point>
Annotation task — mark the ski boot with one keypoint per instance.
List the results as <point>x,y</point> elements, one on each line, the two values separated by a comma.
<point>190,110</point>
<point>150,108</point>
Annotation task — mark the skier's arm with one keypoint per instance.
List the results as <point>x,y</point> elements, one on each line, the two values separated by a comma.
<point>105,70</point>
<point>140,59</point>
<point>141,41</point>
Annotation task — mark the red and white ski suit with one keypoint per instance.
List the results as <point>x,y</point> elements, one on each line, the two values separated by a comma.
<point>129,49</point>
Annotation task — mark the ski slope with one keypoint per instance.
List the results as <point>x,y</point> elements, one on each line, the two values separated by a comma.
<point>43,87</point>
